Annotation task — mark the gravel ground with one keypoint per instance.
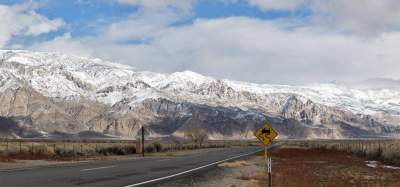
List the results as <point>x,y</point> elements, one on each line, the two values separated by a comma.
<point>240,173</point>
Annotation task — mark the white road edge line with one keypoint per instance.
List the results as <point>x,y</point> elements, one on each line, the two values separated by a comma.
<point>162,160</point>
<point>191,170</point>
<point>105,167</point>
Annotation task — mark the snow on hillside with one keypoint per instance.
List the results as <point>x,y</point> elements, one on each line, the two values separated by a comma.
<point>71,77</point>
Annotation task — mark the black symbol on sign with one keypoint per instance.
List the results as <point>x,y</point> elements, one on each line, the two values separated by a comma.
<point>266,131</point>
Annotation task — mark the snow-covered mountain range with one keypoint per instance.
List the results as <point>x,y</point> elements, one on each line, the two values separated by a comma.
<point>52,95</point>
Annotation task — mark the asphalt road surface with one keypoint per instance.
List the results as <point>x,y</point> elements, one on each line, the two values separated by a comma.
<point>148,171</point>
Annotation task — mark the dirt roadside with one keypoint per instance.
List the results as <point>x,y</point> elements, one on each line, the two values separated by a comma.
<point>295,167</point>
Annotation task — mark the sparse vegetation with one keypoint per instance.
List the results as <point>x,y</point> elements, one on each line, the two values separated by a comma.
<point>198,136</point>
<point>86,149</point>
<point>326,167</point>
<point>386,151</point>
<point>116,150</point>
<point>63,150</point>
<point>157,146</point>
<point>296,163</point>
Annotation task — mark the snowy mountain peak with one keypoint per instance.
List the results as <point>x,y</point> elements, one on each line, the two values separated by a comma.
<point>64,76</point>
<point>56,59</point>
<point>56,91</point>
<point>189,76</point>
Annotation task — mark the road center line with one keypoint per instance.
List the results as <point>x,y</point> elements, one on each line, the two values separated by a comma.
<point>105,167</point>
<point>194,169</point>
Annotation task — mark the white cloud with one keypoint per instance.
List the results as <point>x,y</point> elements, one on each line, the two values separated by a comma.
<point>22,20</point>
<point>255,50</point>
<point>266,5</point>
<point>367,17</point>
<point>182,5</point>
<point>140,25</point>
<point>66,44</point>
<point>153,15</point>
<point>248,49</point>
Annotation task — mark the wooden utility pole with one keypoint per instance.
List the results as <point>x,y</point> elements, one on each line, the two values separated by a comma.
<point>142,141</point>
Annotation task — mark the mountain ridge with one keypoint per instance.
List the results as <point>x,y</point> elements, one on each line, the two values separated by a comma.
<point>117,100</point>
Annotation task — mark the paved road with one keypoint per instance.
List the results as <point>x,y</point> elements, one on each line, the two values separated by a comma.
<point>122,173</point>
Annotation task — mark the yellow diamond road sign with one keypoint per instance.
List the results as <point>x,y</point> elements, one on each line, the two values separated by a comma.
<point>266,134</point>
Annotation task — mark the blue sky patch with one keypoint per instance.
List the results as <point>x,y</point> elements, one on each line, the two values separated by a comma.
<point>85,18</point>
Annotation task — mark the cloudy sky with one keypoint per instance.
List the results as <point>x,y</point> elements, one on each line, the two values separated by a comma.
<point>263,41</point>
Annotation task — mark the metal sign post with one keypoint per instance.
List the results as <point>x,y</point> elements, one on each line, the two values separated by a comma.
<point>269,171</point>
<point>268,166</point>
<point>266,135</point>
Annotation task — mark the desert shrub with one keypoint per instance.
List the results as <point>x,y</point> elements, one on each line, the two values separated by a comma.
<point>359,152</point>
<point>374,153</point>
<point>178,147</point>
<point>43,150</point>
<point>188,147</point>
<point>90,152</point>
<point>3,153</point>
<point>116,150</point>
<point>130,149</point>
<point>64,153</point>
<point>149,149</point>
<point>334,147</point>
<point>167,148</point>
<point>391,156</point>
<point>157,146</point>
<point>102,151</point>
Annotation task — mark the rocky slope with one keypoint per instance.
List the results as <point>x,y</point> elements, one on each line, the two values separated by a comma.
<point>54,95</point>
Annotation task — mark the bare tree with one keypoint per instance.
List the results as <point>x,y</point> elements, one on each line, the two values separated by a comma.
<point>198,136</point>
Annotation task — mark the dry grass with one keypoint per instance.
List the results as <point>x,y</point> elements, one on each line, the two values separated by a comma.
<point>63,150</point>
<point>323,167</point>
<point>257,179</point>
<point>386,151</point>
<point>234,164</point>
<point>84,149</point>
<point>299,165</point>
